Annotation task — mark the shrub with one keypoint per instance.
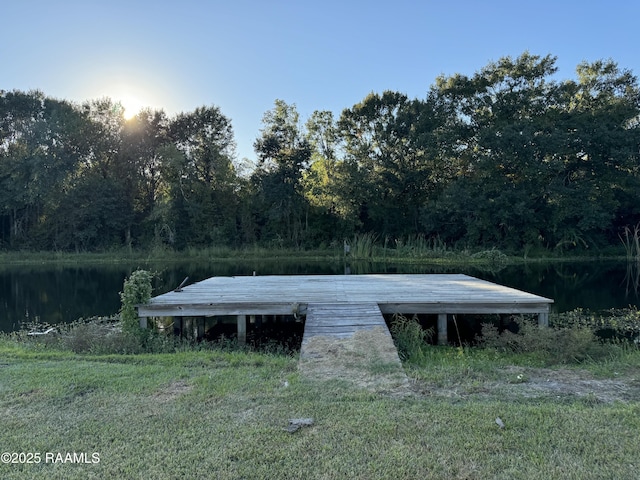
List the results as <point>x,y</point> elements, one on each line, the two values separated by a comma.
<point>616,323</point>
<point>136,291</point>
<point>94,335</point>
<point>554,345</point>
<point>493,257</point>
<point>409,337</point>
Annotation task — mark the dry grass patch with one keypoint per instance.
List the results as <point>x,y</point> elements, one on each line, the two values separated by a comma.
<point>368,360</point>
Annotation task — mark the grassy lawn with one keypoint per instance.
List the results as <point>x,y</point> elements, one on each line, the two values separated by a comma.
<point>222,415</point>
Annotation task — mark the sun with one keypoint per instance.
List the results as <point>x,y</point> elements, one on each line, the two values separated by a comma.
<point>131,96</point>
<point>131,105</point>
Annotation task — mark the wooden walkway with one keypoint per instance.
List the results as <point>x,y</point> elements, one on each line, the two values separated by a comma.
<point>351,342</point>
<point>441,294</point>
<point>341,321</point>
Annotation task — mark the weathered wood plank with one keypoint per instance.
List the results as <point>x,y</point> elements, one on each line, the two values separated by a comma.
<point>285,295</point>
<point>464,307</point>
<point>341,319</point>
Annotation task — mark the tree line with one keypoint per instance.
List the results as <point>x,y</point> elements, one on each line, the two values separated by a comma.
<point>510,157</point>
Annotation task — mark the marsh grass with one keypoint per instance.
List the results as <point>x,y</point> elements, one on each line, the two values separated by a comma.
<point>166,255</point>
<point>362,246</point>
<point>631,242</point>
<point>420,245</point>
<point>222,415</point>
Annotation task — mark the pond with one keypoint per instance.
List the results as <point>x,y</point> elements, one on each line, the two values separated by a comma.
<point>55,294</point>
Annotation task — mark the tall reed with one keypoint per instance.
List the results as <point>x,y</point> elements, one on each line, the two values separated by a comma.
<point>631,242</point>
<point>419,246</point>
<point>362,246</point>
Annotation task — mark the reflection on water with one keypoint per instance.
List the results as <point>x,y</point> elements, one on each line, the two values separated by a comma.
<point>63,294</point>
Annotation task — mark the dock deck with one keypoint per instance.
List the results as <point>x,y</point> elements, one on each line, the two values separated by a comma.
<point>440,294</point>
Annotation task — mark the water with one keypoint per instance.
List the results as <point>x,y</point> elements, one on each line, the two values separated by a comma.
<point>51,294</point>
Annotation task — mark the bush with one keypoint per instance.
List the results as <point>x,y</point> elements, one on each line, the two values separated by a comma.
<point>493,257</point>
<point>81,337</point>
<point>136,291</point>
<point>554,345</point>
<point>409,337</point>
<point>94,335</point>
<point>103,336</point>
<point>616,323</point>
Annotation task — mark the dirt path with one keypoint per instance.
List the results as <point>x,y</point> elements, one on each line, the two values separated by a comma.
<point>370,360</point>
<point>522,382</point>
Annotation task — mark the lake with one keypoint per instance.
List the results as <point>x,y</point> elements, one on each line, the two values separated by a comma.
<point>55,294</point>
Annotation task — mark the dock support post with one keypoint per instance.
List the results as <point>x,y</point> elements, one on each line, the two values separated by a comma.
<point>442,329</point>
<point>543,319</point>
<point>177,326</point>
<point>199,327</point>
<point>143,322</point>
<point>242,329</point>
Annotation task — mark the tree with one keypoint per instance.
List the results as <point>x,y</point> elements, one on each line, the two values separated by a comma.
<point>202,182</point>
<point>39,146</point>
<point>325,183</point>
<point>283,156</point>
<point>595,188</point>
<point>505,115</point>
<point>146,140</point>
<point>392,158</point>
<point>93,207</point>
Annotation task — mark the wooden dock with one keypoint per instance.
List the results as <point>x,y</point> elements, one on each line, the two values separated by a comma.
<point>310,295</point>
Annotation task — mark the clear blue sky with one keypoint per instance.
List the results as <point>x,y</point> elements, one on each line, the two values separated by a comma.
<point>324,55</point>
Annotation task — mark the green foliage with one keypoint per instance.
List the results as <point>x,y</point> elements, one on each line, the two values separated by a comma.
<point>617,323</point>
<point>202,184</point>
<point>420,246</point>
<point>410,338</point>
<point>494,257</point>
<point>94,336</point>
<point>552,345</point>
<point>136,291</point>
<point>283,155</point>
<point>509,158</point>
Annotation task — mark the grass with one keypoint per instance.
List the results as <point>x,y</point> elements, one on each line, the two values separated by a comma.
<point>125,256</point>
<point>215,414</point>
<point>365,247</point>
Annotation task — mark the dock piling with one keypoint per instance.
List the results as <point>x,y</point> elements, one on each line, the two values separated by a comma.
<point>442,329</point>
<point>242,329</point>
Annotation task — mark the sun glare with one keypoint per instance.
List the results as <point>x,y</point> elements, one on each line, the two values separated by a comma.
<point>131,105</point>
<point>132,97</point>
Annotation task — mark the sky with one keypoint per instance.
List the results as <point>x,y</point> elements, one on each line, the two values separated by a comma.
<point>242,55</point>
